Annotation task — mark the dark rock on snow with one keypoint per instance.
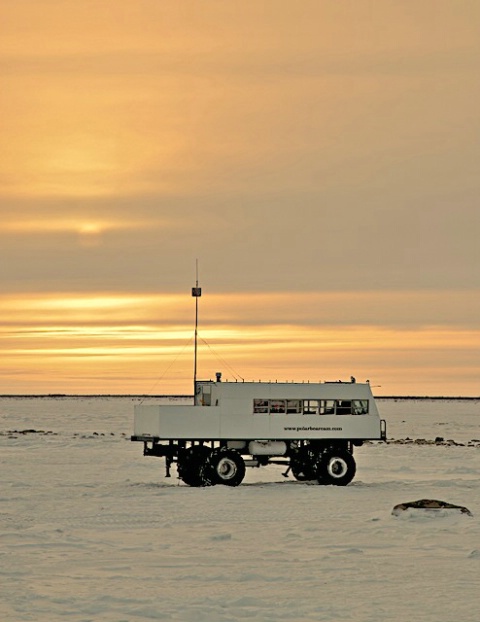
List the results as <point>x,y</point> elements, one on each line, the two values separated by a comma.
<point>429,504</point>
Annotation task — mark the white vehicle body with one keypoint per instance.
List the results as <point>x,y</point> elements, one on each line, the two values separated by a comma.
<point>233,411</point>
<point>303,422</point>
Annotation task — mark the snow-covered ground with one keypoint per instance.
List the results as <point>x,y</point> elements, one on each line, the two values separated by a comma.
<point>90,530</point>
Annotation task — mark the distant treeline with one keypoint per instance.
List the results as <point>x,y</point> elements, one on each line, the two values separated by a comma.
<point>88,396</point>
<point>426,397</point>
<point>142,396</point>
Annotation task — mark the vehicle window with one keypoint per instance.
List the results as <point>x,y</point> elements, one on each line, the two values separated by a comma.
<point>260,406</point>
<point>277,406</point>
<point>344,407</point>
<point>294,406</point>
<point>310,407</point>
<point>360,407</point>
<point>327,407</point>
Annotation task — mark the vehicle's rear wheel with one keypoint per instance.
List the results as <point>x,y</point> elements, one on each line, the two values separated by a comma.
<point>225,467</point>
<point>191,465</point>
<point>303,465</point>
<point>336,467</point>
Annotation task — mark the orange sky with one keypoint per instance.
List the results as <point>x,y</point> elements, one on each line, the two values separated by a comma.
<point>318,158</point>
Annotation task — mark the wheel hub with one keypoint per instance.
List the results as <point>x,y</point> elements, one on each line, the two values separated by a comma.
<point>337,467</point>
<point>227,468</point>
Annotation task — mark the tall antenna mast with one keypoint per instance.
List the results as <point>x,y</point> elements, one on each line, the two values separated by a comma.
<point>196,293</point>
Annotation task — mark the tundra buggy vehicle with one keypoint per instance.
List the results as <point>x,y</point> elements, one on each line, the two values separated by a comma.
<point>311,428</point>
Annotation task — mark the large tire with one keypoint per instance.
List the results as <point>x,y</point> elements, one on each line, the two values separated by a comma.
<point>336,467</point>
<point>191,465</point>
<point>226,467</point>
<point>303,465</point>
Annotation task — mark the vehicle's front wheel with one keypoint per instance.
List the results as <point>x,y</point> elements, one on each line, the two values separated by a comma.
<point>336,467</point>
<point>226,467</point>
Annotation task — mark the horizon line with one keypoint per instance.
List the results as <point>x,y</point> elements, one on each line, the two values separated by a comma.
<point>183,395</point>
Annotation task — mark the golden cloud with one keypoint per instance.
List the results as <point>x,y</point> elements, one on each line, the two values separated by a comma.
<point>68,339</point>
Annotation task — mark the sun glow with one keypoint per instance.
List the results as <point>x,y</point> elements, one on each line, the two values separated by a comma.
<point>71,224</point>
<point>91,228</point>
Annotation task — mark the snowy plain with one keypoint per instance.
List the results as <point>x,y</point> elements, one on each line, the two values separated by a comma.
<point>90,530</point>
